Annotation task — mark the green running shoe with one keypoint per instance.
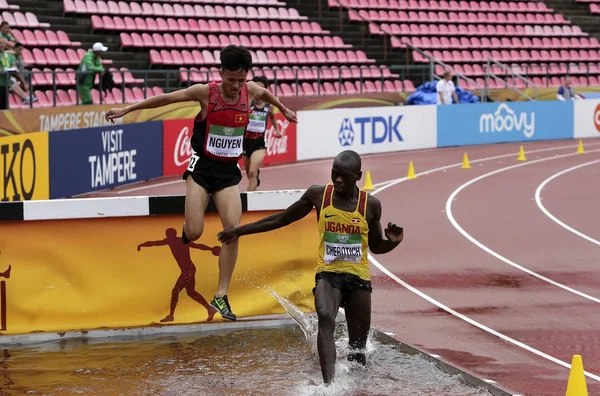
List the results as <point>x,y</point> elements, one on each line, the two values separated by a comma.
<point>221,304</point>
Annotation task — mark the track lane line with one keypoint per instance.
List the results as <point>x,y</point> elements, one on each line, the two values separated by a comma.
<point>538,201</point>
<point>328,160</point>
<point>449,310</point>
<point>497,255</point>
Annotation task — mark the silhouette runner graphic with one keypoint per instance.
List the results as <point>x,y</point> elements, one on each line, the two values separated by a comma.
<point>6,274</point>
<point>187,279</point>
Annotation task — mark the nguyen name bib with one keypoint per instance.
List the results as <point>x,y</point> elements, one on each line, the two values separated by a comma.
<point>225,141</point>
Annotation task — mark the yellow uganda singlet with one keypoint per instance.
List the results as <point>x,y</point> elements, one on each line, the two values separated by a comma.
<point>344,237</point>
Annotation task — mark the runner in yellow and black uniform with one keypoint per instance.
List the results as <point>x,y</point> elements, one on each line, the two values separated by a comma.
<point>348,227</point>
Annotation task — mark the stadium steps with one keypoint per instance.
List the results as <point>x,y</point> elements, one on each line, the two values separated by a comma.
<point>352,33</point>
<point>578,14</point>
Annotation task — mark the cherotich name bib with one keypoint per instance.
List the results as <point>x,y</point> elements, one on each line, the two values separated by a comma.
<point>342,247</point>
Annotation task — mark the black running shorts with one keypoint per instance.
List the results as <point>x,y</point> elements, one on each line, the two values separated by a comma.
<point>252,145</point>
<point>346,283</point>
<point>213,175</point>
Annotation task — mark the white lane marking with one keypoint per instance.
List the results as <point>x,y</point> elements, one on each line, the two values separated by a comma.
<point>472,322</point>
<point>328,160</point>
<point>457,314</point>
<point>391,183</point>
<point>282,166</point>
<point>492,252</point>
<point>538,201</point>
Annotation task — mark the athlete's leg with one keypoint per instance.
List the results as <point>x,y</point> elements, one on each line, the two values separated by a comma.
<point>327,304</point>
<point>358,318</point>
<point>190,288</point>
<point>179,285</point>
<point>196,201</point>
<point>256,160</point>
<point>246,160</point>
<point>229,205</point>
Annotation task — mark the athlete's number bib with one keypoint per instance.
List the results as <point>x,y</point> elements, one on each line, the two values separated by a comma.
<point>225,141</point>
<point>342,247</point>
<point>192,163</point>
<point>257,123</point>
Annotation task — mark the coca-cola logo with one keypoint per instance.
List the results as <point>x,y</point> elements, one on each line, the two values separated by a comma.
<point>274,144</point>
<point>183,147</point>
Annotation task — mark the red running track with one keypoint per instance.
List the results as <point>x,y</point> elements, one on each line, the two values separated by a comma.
<point>477,311</point>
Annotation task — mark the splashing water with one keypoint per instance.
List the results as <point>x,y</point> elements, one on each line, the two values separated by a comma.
<point>352,378</point>
<point>308,325</point>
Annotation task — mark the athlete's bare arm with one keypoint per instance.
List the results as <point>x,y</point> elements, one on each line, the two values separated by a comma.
<point>274,121</point>
<point>393,233</point>
<point>195,93</point>
<point>298,210</point>
<point>255,91</point>
<point>151,244</point>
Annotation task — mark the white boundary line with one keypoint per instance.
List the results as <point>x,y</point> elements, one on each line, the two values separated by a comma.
<point>472,322</point>
<point>272,167</point>
<point>328,160</point>
<point>486,249</point>
<point>450,310</point>
<point>538,201</point>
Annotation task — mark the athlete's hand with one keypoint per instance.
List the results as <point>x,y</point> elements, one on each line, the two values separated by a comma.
<point>228,236</point>
<point>139,248</point>
<point>289,115</point>
<point>115,113</point>
<point>278,132</point>
<point>394,233</point>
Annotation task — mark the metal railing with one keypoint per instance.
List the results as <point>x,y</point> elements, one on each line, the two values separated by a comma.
<point>510,73</point>
<point>172,79</point>
<point>483,90</point>
<point>388,37</point>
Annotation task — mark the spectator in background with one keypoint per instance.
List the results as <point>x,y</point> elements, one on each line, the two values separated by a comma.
<point>6,34</point>
<point>446,90</point>
<point>9,64</point>
<point>91,64</point>
<point>5,62</point>
<point>565,92</point>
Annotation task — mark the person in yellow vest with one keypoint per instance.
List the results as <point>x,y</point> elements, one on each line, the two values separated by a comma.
<point>349,226</point>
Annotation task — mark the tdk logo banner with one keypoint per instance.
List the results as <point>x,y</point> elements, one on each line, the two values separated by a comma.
<point>374,130</point>
<point>366,130</point>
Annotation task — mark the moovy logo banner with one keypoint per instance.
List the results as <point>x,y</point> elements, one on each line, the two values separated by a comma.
<point>485,123</point>
<point>504,119</point>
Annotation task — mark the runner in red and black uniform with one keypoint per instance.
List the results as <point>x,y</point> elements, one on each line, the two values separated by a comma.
<point>254,140</point>
<point>217,143</point>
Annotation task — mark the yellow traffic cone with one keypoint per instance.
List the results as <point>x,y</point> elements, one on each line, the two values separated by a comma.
<point>576,385</point>
<point>411,171</point>
<point>466,164</point>
<point>521,156</point>
<point>368,183</point>
<point>580,148</point>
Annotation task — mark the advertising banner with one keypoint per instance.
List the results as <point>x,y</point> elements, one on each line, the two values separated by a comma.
<point>587,118</point>
<point>24,167</point>
<point>86,160</point>
<point>484,123</point>
<point>283,149</point>
<point>109,273</point>
<point>61,118</point>
<point>177,148</point>
<point>366,130</point>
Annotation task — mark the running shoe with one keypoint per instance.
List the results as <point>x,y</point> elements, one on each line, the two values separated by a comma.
<point>221,304</point>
